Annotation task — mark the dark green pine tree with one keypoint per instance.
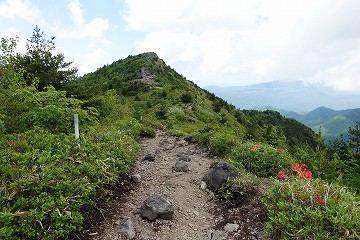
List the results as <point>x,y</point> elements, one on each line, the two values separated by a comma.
<point>354,136</point>
<point>41,66</point>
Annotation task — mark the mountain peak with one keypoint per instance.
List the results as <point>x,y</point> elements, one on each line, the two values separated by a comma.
<point>323,109</point>
<point>149,55</point>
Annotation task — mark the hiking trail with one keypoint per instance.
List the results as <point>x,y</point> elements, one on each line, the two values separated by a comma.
<point>198,213</point>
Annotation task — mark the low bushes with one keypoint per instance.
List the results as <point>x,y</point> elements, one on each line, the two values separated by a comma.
<point>262,160</point>
<point>47,179</point>
<point>239,188</point>
<point>301,208</point>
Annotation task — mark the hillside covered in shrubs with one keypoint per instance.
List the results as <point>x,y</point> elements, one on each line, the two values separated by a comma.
<point>49,179</point>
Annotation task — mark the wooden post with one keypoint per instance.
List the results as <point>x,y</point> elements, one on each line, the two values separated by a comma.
<point>76,123</point>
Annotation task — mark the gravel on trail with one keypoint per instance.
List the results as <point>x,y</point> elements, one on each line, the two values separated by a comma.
<point>198,213</point>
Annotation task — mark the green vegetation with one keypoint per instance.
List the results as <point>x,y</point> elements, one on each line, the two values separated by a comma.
<point>262,160</point>
<point>299,208</point>
<point>332,124</point>
<point>49,178</point>
<point>241,187</point>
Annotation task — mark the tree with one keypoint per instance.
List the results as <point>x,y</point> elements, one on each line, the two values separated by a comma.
<point>40,65</point>
<point>354,136</point>
<point>9,74</point>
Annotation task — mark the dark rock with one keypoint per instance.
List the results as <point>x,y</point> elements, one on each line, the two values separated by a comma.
<point>189,139</point>
<point>191,120</point>
<point>181,166</point>
<point>149,157</point>
<point>127,229</point>
<point>156,207</point>
<point>219,174</point>
<point>147,133</point>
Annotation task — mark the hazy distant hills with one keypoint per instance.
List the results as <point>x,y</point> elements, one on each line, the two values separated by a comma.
<point>332,123</point>
<point>296,100</point>
<point>292,96</point>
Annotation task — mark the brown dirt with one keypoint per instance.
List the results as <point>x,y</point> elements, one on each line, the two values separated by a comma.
<point>199,214</point>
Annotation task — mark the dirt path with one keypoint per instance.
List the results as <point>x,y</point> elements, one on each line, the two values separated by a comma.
<point>198,213</point>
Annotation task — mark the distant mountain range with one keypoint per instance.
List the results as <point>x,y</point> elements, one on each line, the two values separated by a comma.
<point>296,100</point>
<point>292,96</point>
<point>332,123</point>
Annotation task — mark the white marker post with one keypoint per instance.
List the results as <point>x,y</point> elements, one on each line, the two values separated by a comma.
<point>76,123</point>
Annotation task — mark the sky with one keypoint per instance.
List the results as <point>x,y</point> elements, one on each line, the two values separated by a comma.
<point>210,42</point>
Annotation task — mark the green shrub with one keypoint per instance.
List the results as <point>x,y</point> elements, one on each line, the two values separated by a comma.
<point>221,143</point>
<point>161,112</point>
<point>25,108</point>
<point>239,188</point>
<point>186,97</point>
<point>262,160</point>
<point>47,179</point>
<point>299,208</point>
<point>177,114</point>
<point>147,132</point>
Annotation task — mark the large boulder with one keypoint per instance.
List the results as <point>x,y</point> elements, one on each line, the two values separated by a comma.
<point>156,207</point>
<point>218,174</point>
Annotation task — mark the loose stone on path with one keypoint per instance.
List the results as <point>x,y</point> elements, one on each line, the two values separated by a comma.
<point>127,229</point>
<point>156,207</point>
<point>191,212</point>
<point>181,166</point>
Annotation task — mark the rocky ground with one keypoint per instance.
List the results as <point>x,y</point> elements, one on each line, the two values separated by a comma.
<point>198,213</point>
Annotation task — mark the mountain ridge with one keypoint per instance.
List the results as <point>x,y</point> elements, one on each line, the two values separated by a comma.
<point>332,123</point>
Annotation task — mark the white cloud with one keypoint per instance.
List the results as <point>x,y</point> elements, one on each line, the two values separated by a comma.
<point>92,60</point>
<point>248,41</point>
<point>19,9</point>
<point>343,77</point>
<point>82,29</point>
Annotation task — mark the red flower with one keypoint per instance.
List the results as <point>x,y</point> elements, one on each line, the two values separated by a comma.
<point>296,167</point>
<point>319,199</point>
<point>302,170</point>
<point>280,150</point>
<point>281,175</point>
<point>24,137</point>
<point>307,174</point>
<point>255,147</point>
<point>11,143</point>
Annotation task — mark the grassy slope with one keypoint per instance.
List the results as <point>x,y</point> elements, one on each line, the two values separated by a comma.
<point>182,106</point>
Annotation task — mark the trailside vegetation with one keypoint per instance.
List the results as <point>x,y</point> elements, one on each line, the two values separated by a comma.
<point>49,179</point>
